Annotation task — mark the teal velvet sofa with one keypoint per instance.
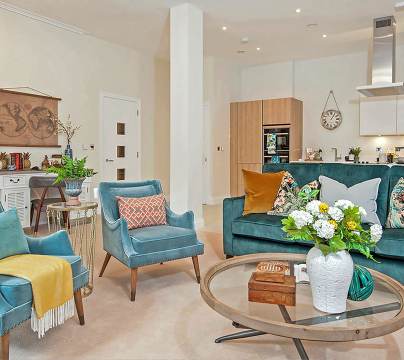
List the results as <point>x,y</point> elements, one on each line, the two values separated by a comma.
<point>256,233</point>
<point>16,293</point>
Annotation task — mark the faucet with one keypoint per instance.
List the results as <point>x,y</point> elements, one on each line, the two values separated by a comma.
<point>336,157</point>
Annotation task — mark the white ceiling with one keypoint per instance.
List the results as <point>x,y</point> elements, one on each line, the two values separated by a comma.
<point>272,25</point>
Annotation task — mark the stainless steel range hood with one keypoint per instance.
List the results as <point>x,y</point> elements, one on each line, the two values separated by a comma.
<point>383,60</point>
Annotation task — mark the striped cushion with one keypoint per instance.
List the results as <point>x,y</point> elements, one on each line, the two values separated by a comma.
<point>143,211</point>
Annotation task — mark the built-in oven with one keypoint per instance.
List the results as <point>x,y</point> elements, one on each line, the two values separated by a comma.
<point>275,145</point>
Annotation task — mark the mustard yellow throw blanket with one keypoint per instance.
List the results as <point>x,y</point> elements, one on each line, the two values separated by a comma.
<point>52,287</point>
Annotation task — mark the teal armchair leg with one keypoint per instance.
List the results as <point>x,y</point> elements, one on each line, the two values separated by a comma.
<point>133,282</point>
<point>79,306</point>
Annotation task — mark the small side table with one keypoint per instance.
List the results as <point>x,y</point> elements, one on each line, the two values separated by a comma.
<point>81,225</point>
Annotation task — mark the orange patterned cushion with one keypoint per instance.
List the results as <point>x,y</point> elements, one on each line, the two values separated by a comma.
<point>143,211</point>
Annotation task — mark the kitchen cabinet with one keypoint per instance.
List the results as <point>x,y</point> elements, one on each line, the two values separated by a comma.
<point>378,116</point>
<point>400,115</point>
<point>280,111</point>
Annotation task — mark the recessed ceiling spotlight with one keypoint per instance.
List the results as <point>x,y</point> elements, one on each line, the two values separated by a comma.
<point>224,27</point>
<point>311,26</point>
<point>298,10</point>
<point>258,49</point>
<point>324,36</point>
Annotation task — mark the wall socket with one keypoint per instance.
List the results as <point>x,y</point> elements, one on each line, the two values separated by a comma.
<point>220,148</point>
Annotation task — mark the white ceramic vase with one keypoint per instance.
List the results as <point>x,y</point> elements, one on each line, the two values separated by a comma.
<point>330,277</point>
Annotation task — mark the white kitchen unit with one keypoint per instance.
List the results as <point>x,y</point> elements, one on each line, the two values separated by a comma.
<point>378,116</point>
<point>400,115</point>
<point>16,193</point>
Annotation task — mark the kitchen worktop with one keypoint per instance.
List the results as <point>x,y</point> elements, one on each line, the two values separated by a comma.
<point>345,162</point>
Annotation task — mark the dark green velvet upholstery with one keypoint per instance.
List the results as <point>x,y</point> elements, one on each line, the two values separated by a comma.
<point>256,233</point>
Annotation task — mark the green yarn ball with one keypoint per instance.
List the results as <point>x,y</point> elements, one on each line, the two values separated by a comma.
<point>362,284</point>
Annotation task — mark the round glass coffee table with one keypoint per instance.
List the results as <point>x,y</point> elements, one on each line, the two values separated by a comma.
<point>225,290</point>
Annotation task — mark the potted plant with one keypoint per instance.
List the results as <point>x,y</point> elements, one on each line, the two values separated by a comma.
<point>73,172</point>
<point>335,230</point>
<point>355,152</point>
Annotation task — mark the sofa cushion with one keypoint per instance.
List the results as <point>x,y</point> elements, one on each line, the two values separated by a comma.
<point>12,238</point>
<point>161,238</point>
<point>363,194</point>
<point>391,244</point>
<point>17,291</point>
<point>396,209</point>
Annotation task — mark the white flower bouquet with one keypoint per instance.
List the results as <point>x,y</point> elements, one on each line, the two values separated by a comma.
<point>333,228</point>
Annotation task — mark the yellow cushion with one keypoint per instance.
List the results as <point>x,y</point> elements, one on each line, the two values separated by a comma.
<point>261,191</point>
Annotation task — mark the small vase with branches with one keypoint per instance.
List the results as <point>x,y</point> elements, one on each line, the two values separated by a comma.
<point>68,129</point>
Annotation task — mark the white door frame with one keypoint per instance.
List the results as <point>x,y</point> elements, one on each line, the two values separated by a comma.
<point>104,94</point>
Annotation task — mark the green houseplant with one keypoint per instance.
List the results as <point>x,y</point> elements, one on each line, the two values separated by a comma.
<point>334,230</point>
<point>355,152</point>
<point>73,172</point>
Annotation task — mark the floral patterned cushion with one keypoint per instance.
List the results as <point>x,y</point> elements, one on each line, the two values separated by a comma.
<point>288,189</point>
<point>396,213</point>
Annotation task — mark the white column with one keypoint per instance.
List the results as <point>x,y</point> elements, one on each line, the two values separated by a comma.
<point>186,112</point>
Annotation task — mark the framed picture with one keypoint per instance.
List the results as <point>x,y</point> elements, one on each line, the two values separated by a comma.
<point>28,120</point>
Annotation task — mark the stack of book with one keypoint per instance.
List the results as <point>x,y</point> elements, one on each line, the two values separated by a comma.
<point>17,160</point>
<point>272,283</point>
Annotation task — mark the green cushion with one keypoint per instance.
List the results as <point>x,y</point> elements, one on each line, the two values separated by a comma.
<point>391,244</point>
<point>12,238</point>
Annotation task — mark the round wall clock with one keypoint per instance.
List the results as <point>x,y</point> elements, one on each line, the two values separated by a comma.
<point>331,118</point>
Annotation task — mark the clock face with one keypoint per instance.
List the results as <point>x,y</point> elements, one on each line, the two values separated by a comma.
<point>331,119</point>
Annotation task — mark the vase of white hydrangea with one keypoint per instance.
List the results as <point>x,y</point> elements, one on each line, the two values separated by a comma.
<point>335,230</point>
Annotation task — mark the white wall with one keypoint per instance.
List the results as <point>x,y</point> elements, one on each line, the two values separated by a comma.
<point>310,81</point>
<point>221,87</point>
<point>77,68</point>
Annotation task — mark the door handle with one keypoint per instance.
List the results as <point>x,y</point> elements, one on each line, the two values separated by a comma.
<point>109,160</point>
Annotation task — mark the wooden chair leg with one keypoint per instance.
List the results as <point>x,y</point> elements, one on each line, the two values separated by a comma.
<point>31,216</point>
<point>133,281</point>
<point>5,346</point>
<point>196,268</point>
<point>104,265</point>
<point>79,306</point>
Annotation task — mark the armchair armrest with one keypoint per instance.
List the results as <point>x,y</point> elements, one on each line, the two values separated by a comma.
<point>116,239</point>
<point>53,244</point>
<point>185,220</point>
<point>232,209</point>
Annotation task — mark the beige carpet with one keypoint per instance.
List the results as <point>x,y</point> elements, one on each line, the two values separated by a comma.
<point>169,320</point>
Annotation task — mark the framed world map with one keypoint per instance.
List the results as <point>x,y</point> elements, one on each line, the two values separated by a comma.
<point>28,120</point>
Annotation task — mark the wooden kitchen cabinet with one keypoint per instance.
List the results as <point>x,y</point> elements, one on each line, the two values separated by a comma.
<point>247,123</point>
<point>249,131</point>
<point>280,111</point>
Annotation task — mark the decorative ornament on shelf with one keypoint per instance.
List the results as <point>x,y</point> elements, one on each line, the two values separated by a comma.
<point>27,162</point>
<point>331,118</point>
<point>68,129</point>
<point>73,173</point>
<point>334,230</point>
<point>3,160</point>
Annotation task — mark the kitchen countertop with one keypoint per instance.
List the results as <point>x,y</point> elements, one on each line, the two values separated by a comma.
<point>345,162</point>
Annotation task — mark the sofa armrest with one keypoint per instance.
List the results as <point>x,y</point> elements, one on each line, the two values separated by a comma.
<point>116,239</point>
<point>232,209</point>
<point>185,220</point>
<point>54,244</point>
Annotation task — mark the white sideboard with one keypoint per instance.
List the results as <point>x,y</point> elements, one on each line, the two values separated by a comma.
<point>16,193</point>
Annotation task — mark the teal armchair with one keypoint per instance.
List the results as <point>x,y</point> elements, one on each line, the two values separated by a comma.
<point>149,245</point>
<point>16,293</point>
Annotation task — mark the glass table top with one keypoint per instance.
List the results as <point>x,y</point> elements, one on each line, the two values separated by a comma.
<point>231,288</point>
<point>225,289</point>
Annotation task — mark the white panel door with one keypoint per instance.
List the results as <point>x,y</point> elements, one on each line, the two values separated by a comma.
<point>121,138</point>
<point>400,115</point>
<point>378,116</point>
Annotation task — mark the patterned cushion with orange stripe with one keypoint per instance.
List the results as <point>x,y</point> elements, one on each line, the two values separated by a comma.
<point>143,211</point>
